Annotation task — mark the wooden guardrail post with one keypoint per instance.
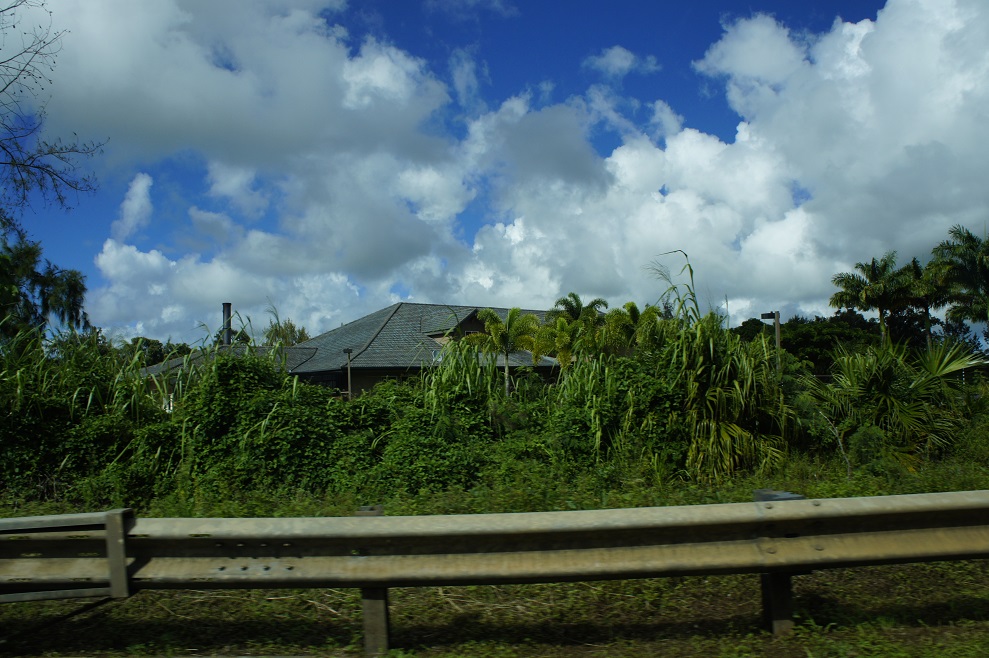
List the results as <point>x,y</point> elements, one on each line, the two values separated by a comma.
<point>777,591</point>
<point>777,603</point>
<point>116,551</point>
<point>374,605</point>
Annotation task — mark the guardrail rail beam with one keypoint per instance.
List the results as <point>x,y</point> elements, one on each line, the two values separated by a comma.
<point>113,554</point>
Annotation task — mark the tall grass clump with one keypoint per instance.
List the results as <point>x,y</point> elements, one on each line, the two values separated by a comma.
<point>461,373</point>
<point>733,404</point>
<point>613,410</point>
<point>71,407</point>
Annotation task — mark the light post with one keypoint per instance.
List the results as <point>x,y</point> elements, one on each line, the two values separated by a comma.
<point>775,317</point>
<point>350,394</point>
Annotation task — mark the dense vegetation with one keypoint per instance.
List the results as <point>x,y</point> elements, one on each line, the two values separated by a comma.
<point>652,406</point>
<point>643,399</point>
<point>661,405</point>
<point>658,407</point>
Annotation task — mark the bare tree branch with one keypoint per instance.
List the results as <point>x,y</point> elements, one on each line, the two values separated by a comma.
<point>29,161</point>
<point>34,167</point>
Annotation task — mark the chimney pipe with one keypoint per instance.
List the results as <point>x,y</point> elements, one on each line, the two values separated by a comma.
<point>226,323</point>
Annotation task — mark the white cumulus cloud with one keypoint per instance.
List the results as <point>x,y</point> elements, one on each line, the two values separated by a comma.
<point>616,62</point>
<point>332,184</point>
<point>136,208</point>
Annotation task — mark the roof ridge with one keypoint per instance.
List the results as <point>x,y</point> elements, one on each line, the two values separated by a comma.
<point>450,305</point>
<point>308,358</point>
<point>380,328</point>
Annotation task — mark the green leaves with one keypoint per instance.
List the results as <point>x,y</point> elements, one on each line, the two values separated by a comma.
<point>911,398</point>
<point>32,291</point>
<point>68,407</point>
<point>876,285</point>
<point>517,332</point>
<point>283,333</point>
<point>965,259</point>
<point>649,394</point>
<point>734,405</point>
<point>957,277</point>
<point>733,408</point>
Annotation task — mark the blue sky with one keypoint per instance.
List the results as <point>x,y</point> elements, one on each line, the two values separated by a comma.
<point>329,158</point>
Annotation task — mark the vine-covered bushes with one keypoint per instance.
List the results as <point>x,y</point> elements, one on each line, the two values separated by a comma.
<point>70,408</point>
<point>691,403</point>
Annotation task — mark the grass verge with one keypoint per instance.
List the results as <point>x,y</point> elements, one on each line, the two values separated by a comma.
<point>907,610</point>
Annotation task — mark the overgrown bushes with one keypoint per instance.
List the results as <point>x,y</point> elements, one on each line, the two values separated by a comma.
<point>694,403</point>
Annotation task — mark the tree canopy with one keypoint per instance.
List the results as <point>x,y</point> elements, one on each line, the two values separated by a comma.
<point>33,290</point>
<point>876,285</point>
<point>284,332</point>
<point>965,259</point>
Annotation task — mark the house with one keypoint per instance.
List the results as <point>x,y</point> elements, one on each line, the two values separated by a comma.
<point>396,342</point>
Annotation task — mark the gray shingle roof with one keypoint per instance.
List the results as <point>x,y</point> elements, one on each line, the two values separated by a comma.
<point>399,336</point>
<point>294,357</point>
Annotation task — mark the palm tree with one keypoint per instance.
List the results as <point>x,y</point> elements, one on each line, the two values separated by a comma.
<point>929,288</point>
<point>61,295</point>
<point>574,309</point>
<point>628,328</point>
<point>877,285</point>
<point>733,406</point>
<point>965,256</point>
<point>559,338</point>
<point>911,398</point>
<point>517,332</point>
<point>586,320</point>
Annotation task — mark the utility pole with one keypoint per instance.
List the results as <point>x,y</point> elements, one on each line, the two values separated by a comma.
<point>775,317</point>
<point>350,390</point>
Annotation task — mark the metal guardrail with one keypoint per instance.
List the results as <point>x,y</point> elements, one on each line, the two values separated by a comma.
<point>32,545</point>
<point>114,554</point>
